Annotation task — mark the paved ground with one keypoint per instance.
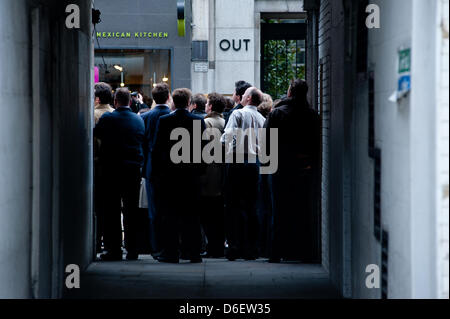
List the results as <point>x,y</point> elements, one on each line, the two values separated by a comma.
<point>214,278</point>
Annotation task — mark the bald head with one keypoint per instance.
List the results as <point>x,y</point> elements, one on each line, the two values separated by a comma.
<point>252,96</point>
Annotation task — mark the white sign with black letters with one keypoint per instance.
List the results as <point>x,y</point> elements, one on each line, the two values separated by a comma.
<point>201,67</point>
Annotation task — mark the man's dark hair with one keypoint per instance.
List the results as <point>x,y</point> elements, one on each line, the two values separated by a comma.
<point>123,96</point>
<point>230,103</point>
<point>161,93</point>
<point>217,102</point>
<point>256,96</point>
<point>240,90</point>
<point>148,100</point>
<point>200,101</point>
<point>181,98</point>
<point>104,93</point>
<point>299,91</point>
<point>239,83</point>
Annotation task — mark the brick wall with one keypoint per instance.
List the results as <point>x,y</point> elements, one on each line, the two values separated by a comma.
<point>323,96</point>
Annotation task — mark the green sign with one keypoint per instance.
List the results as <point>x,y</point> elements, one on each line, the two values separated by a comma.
<point>121,35</point>
<point>404,61</point>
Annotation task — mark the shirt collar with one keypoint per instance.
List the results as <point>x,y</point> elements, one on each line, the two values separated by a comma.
<point>102,106</point>
<point>185,110</point>
<point>251,107</point>
<point>213,114</point>
<point>161,105</point>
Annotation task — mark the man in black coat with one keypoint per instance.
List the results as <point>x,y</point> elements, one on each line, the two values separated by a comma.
<point>177,165</point>
<point>292,186</point>
<point>121,134</point>
<point>161,95</point>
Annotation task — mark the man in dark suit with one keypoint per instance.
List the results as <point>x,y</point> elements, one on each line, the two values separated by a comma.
<point>197,105</point>
<point>121,134</point>
<point>239,91</point>
<point>161,96</point>
<point>293,184</point>
<point>177,166</point>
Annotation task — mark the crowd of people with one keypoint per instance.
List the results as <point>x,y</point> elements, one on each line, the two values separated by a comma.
<point>197,208</point>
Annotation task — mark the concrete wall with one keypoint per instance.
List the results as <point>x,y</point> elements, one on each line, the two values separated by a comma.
<point>412,137</point>
<point>73,105</point>
<point>406,134</point>
<point>234,25</point>
<point>442,128</point>
<point>15,154</point>
<point>203,30</point>
<point>392,137</point>
<point>45,189</point>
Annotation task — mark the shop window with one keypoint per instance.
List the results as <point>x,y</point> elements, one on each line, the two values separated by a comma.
<point>139,70</point>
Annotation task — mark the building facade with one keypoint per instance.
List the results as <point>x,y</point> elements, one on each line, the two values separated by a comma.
<point>139,43</point>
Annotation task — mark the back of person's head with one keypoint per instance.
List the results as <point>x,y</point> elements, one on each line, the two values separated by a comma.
<point>240,90</point>
<point>256,96</point>
<point>161,93</point>
<point>230,103</point>
<point>148,100</point>
<point>267,98</point>
<point>103,92</point>
<point>239,83</point>
<point>217,102</point>
<point>200,101</point>
<point>265,108</point>
<point>122,97</point>
<point>298,91</point>
<point>181,98</point>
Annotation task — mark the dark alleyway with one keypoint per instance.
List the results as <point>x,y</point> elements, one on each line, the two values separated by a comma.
<point>214,278</point>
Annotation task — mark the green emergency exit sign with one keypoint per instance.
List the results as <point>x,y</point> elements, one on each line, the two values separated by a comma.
<point>404,63</point>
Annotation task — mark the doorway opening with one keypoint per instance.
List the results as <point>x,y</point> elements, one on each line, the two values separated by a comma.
<point>283,52</point>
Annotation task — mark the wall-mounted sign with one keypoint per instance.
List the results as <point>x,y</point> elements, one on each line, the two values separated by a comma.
<point>201,67</point>
<point>236,44</point>
<point>404,61</point>
<point>404,75</point>
<point>181,22</point>
<point>116,35</point>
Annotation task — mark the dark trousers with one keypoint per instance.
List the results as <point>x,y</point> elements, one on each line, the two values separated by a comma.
<point>212,220</point>
<point>154,213</point>
<point>291,191</point>
<point>180,218</point>
<point>123,191</point>
<point>264,216</point>
<point>242,226</point>
<point>100,202</point>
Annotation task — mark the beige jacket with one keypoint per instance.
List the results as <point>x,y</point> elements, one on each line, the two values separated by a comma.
<point>101,109</point>
<point>212,180</point>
